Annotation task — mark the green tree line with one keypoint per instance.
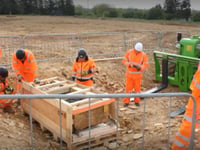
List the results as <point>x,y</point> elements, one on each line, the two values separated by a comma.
<point>37,7</point>
<point>171,10</point>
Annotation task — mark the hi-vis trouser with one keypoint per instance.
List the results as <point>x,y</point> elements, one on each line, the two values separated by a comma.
<point>133,83</point>
<point>182,138</point>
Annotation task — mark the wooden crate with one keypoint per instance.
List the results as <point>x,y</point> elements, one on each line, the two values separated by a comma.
<point>74,114</point>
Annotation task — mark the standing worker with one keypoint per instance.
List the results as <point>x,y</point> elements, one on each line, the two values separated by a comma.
<point>182,138</point>
<point>83,68</point>
<point>5,89</point>
<point>25,67</point>
<point>135,61</point>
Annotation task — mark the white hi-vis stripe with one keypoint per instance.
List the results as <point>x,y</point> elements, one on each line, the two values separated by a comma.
<point>190,119</point>
<point>183,137</point>
<point>179,144</point>
<point>134,72</point>
<point>195,83</point>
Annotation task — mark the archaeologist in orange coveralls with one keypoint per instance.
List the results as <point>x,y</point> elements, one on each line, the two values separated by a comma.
<point>83,68</point>
<point>5,104</point>
<point>135,61</point>
<point>25,67</point>
<point>182,138</point>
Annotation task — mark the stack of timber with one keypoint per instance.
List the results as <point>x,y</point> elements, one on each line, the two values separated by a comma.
<point>74,117</point>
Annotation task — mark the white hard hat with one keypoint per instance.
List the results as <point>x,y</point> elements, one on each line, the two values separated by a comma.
<point>139,46</point>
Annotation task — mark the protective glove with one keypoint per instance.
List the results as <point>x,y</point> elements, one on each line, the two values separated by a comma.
<point>36,81</point>
<point>19,78</point>
<point>137,67</point>
<point>89,71</point>
<point>73,78</point>
<point>8,90</point>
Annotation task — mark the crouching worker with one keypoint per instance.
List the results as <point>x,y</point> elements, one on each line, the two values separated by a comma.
<point>25,66</point>
<point>5,104</point>
<point>83,69</point>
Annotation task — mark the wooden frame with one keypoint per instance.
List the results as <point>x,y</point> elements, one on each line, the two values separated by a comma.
<point>74,115</point>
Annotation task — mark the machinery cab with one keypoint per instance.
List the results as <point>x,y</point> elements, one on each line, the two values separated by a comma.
<point>190,46</point>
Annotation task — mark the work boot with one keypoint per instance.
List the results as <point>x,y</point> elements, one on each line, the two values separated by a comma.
<point>126,104</point>
<point>137,104</point>
<point>8,109</point>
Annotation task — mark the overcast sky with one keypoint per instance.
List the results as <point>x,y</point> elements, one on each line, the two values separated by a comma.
<point>141,4</point>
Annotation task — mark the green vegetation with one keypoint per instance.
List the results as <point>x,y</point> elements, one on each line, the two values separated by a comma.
<point>172,10</point>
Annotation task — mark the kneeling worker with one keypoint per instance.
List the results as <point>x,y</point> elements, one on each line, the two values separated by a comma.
<point>5,89</point>
<point>83,68</point>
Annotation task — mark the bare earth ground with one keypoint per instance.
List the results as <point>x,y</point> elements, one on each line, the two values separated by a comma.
<point>15,128</point>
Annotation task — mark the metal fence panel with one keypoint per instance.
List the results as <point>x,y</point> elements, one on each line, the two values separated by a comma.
<point>102,44</point>
<point>169,40</point>
<point>143,124</point>
<point>194,32</point>
<point>51,46</point>
<point>8,44</point>
<point>150,39</point>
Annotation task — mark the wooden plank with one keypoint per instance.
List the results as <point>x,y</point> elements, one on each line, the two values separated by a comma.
<point>29,87</point>
<point>51,84</point>
<point>85,101</point>
<point>41,117</point>
<point>49,79</point>
<point>79,110</point>
<point>115,58</point>
<point>79,92</point>
<point>81,120</point>
<point>69,129</point>
<point>102,140</point>
<point>61,90</point>
<point>95,132</point>
<point>106,108</point>
<point>75,88</point>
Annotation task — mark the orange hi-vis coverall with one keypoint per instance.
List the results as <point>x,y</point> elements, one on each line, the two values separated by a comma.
<point>80,71</point>
<point>182,138</point>
<point>4,102</point>
<point>28,69</point>
<point>134,76</point>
